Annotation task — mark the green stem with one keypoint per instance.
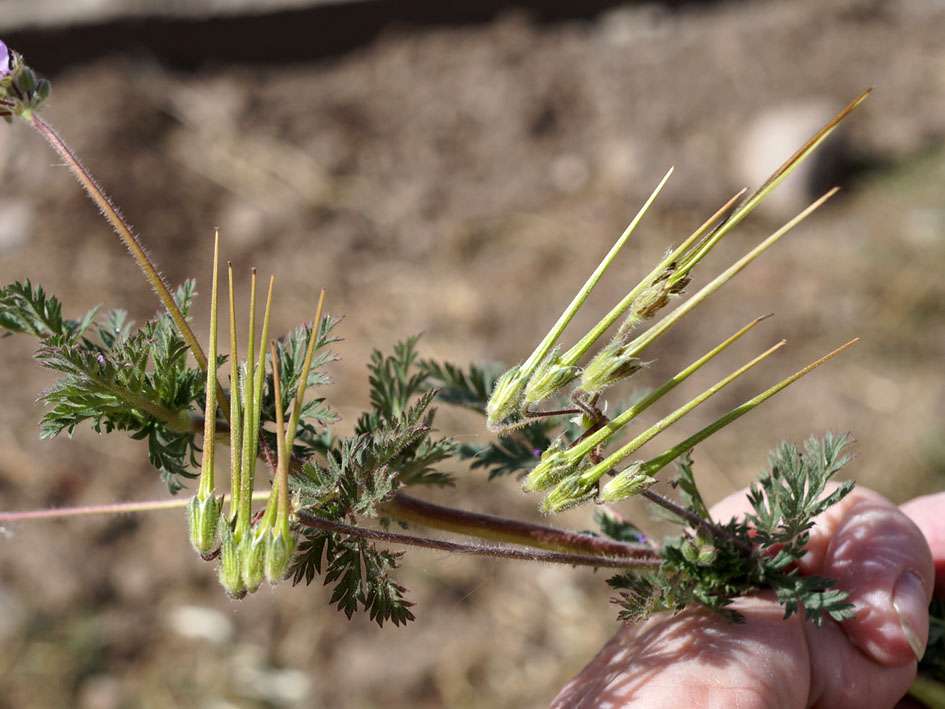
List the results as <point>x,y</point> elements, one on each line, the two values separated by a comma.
<point>664,459</point>
<point>593,474</point>
<point>647,338</point>
<point>577,452</point>
<point>280,483</point>
<point>206,488</point>
<point>303,381</point>
<point>697,522</point>
<point>536,358</point>
<point>779,175</point>
<point>572,356</point>
<point>236,423</point>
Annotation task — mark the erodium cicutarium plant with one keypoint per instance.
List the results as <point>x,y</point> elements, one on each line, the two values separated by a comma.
<point>330,499</point>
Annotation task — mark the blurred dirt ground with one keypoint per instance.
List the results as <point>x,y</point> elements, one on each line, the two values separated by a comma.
<point>461,181</point>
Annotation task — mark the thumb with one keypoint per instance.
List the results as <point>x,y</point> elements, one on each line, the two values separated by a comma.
<point>879,556</point>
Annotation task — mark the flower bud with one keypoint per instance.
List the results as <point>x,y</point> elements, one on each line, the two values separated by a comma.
<point>280,545</point>
<point>628,482</point>
<point>203,518</point>
<point>549,379</point>
<point>42,91</point>
<point>689,551</point>
<point>607,368</point>
<point>26,80</point>
<point>252,551</point>
<point>566,494</point>
<point>230,574</point>
<point>506,397</point>
<point>706,555</point>
<point>553,466</point>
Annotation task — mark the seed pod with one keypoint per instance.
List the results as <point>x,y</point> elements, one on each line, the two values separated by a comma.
<point>506,398</point>
<point>707,555</point>
<point>549,379</point>
<point>252,550</point>
<point>279,549</point>
<point>230,574</point>
<point>555,465</point>
<point>631,481</point>
<point>566,494</point>
<point>607,368</point>
<point>203,519</point>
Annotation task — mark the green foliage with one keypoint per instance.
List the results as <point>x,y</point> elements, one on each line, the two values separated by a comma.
<point>138,380</point>
<point>395,381</point>
<point>360,473</point>
<point>363,471</point>
<point>360,572</point>
<point>469,389</point>
<point>710,566</point>
<point>619,530</point>
<point>115,377</point>
<point>25,309</point>
<point>513,455</point>
<point>786,499</point>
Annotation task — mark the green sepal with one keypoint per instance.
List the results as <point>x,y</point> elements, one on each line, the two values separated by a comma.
<point>203,519</point>
<point>43,89</point>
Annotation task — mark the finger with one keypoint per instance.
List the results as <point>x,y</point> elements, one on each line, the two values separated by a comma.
<point>879,556</point>
<point>928,512</point>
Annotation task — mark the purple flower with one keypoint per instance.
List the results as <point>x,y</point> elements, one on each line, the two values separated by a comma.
<point>4,59</point>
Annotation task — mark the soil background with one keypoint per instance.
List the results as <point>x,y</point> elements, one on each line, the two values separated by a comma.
<point>460,176</point>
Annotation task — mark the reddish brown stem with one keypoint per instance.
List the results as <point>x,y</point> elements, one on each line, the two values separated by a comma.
<point>492,551</point>
<point>500,529</point>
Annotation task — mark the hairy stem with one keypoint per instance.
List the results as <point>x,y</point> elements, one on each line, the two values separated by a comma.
<point>697,521</point>
<point>496,552</point>
<point>114,217</point>
<point>118,508</point>
<point>410,509</point>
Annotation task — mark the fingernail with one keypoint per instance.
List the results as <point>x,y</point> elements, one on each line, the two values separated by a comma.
<point>911,602</point>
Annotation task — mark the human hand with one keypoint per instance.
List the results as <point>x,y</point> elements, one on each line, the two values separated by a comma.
<point>872,549</point>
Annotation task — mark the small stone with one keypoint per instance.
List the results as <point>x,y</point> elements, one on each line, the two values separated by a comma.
<point>773,137</point>
<point>16,222</point>
<point>201,623</point>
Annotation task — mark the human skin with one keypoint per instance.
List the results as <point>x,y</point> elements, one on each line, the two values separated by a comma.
<point>889,559</point>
